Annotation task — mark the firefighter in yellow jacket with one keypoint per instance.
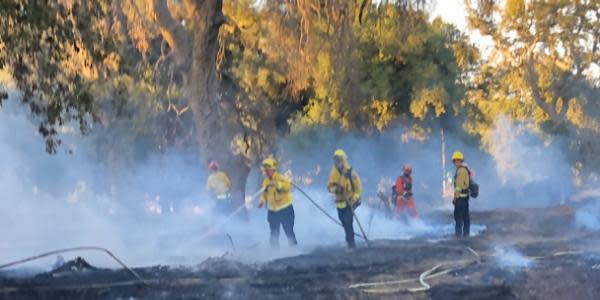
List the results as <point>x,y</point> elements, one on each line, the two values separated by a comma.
<point>278,197</point>
<point>345,184</point>
<point>218,186</point>
<point>462,180</point>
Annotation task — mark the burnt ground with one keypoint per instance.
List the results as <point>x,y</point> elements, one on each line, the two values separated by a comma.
<point>565,265</point>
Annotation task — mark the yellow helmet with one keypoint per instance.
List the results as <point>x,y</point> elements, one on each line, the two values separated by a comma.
<point>457,155</point>
<point>339,153</point>
<point>269,164</point>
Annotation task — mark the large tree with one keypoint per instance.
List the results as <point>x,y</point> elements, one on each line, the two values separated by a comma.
<point>194,44</point>
<point>542,68</point>
<point>241,72</point>
<point>55,50</point>
<point>542,58</point>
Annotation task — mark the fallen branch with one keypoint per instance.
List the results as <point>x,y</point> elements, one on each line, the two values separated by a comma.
<point>28,259</point>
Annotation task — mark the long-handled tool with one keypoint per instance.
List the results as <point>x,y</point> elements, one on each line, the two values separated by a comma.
<point>358,222</point>
<point>321,209</point>
<point>233,214</point>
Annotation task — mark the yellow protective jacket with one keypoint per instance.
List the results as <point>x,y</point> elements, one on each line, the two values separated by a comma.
<point>461,183</point>
<point>349,182</point>
<point>278,196</point>
<point>218,185</point>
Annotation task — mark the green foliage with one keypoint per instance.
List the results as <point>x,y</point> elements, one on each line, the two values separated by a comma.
<point>540,69</point>
<point>285,68</point>
<point>361,76</point>
<point>52,51</point>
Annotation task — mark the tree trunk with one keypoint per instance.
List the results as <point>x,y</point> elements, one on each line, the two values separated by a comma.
<point>215,117</point>
<point>216,120</point>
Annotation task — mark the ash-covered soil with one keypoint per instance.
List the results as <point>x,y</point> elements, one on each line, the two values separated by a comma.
<point>523,254</point>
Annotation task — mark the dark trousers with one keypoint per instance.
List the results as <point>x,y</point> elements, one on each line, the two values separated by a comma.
<point>461,216</point>
<point>345,215</point>
<point>284,218</point>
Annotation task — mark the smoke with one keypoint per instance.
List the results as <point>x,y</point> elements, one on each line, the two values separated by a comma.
<point>155,210</point>
<point>509,257</point>
<point>148,212</point>
<point>588,216</point>
<point>521,169</point>
<point>531,170</point>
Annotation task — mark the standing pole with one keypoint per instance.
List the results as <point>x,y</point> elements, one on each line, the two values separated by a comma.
<point>443,164</point>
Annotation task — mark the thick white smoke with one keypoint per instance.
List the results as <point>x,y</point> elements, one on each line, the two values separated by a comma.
<point>509,257</point>
<point>155,211</point>
<point>521,157</point>
<point>531,171</point>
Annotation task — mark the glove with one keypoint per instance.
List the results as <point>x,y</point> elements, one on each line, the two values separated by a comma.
<point>261,204</point>
<point>356,197</point>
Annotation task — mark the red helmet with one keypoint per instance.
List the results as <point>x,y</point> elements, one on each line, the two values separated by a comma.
<point>213,165</point>
<point>406,169</point>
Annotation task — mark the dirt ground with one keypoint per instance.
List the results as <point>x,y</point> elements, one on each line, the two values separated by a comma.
<point>563,263</point>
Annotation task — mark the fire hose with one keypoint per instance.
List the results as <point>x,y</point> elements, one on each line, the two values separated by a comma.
<point>380,287</point>
<point>428,274</point>
<point>28,259</point>
<point>238,209</point>
<point>231,215</point>
<point>364,236</point>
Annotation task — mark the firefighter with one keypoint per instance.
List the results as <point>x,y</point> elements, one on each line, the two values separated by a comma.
<point>277,195</point>
<point>403,190</point>
<point>218,186</point>
<point>345,184</point>
<point>461,195</point>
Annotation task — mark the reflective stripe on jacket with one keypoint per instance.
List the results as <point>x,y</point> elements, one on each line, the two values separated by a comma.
<point>278,196</point>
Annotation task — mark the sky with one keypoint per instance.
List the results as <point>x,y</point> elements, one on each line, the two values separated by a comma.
<point>453,11</point>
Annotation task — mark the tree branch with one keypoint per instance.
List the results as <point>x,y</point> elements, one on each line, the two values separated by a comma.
<point>531,77</point>
<point>362,8</point>
<point>172,31</point>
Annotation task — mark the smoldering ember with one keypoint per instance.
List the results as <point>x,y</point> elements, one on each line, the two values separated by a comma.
<point>299,149</point>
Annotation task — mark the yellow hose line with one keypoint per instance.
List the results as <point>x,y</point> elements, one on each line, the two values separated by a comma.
<point>429,274</point>
<point>361,285</point>
<point>424,285</point>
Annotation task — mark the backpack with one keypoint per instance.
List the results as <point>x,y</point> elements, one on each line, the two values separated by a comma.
<point>473,189</point>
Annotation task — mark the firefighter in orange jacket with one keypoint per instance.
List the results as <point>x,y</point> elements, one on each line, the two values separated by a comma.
<point>278,197</point>
<point>404,194</point>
